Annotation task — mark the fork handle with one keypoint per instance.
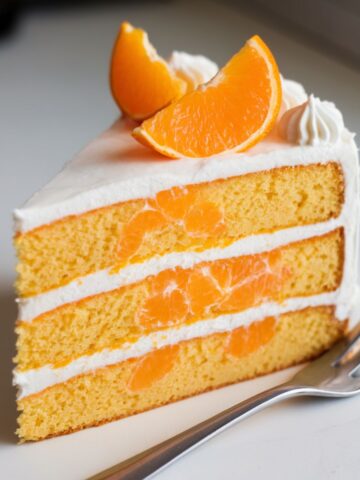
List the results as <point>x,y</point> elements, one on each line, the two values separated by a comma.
<point>158,457</point>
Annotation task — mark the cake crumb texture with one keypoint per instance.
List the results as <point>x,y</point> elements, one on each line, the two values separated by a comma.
<point>107,320</point>
<point>195,366</point>
<point>52,255</point>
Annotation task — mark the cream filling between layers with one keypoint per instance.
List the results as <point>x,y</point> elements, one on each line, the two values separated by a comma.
<point>105,281</point>
<point>33,381</point>
<point>343,153</point>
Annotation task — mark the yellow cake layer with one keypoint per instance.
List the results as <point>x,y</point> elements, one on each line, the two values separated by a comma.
<point>107,320</point>
<point>197,365</point>
<point>193,218</point>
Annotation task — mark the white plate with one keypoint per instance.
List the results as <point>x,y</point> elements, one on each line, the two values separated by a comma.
<point>54,97</point>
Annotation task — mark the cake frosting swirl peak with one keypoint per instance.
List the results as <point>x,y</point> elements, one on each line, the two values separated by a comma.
<point>314,122</point>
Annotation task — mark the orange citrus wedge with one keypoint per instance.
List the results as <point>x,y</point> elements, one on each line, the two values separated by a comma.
<point>232,112</point>
<point>141,81</point>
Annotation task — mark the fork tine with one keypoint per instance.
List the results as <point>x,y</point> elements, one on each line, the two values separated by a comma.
<point>352,363</point>
<point>351,347</point>
<point>336,353</point>
<point>354,334</point>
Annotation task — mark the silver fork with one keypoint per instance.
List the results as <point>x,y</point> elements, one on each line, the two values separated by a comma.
<point>334,374</point>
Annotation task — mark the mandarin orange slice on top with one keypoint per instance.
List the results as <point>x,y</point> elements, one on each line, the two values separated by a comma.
<point>141,81</point>
<point>232,112</point>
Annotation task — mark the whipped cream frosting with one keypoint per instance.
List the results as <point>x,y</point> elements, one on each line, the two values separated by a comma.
<point>33,381</point>
<point>315,122</point>
<point>115,168</point>
<point>109,182</point>
<point>194,69</point>
<point>345,298</point>
<point>294,94</point>
<point>106,281</point>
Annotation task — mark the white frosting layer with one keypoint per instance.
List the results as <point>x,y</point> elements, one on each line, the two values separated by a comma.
<point>315,122</point>
<point>115,168</point>
<point>294,94</point>
<point>194,69</point>
<point>33,381</point>
<point>105,281</point>
<point>345,298</point>
<point>343,153</point>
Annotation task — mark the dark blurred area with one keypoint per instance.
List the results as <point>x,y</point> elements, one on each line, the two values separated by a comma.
<point>331,25</point>
<point>8,17</point>
<point>12,10</point>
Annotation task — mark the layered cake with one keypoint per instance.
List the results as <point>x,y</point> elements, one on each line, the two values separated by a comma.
<point>145,279</point>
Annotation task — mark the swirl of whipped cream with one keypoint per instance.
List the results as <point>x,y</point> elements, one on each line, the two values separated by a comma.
<point>314,122</point>
<point>293,94</point>
<point>194,69</point>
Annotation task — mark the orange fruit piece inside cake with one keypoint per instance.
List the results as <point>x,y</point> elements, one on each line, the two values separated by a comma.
<point>143,280</point>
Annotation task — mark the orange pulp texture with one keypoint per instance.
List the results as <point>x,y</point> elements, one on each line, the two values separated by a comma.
<point>181,296</point>
<point>240,342</point>
<point>152,367</point>
<point>232,112</point>
<point>141,81</point>
<point>171,206</point>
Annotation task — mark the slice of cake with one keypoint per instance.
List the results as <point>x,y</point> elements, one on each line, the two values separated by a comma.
<point>144,280</point>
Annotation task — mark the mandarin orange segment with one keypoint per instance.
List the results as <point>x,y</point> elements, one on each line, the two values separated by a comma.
<point>141,81</point>
<point>252,292</point>
<point>163,280</point>
<point>134,231</point>
<point>175,206</point>
<point>240,298</point>
<point>233,285</point>
<point>232,112</point>
<point>175,202</point>
<point>242,268</point>
<point>204,219</point>
<point>246,340</point>
<point>130,242</point>
<point>221,273</point>
<point>202,291</point>
<point>152,368</point>
<point>164,309</point>
<point>254,279</point>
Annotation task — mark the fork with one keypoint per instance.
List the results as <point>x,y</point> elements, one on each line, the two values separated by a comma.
<point>334,374</point>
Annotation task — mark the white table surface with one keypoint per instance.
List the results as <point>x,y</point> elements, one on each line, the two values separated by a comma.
<point>54,97</point>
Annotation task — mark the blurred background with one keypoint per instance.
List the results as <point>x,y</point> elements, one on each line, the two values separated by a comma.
<point>54,95</point>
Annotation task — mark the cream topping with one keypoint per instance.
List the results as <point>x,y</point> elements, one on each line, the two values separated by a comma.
<point>115,168</point>
<point>344,153</point>
<point>194,69</point>
<point>346,298</point>
<point>315,122</point>
<point>294,94</point>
